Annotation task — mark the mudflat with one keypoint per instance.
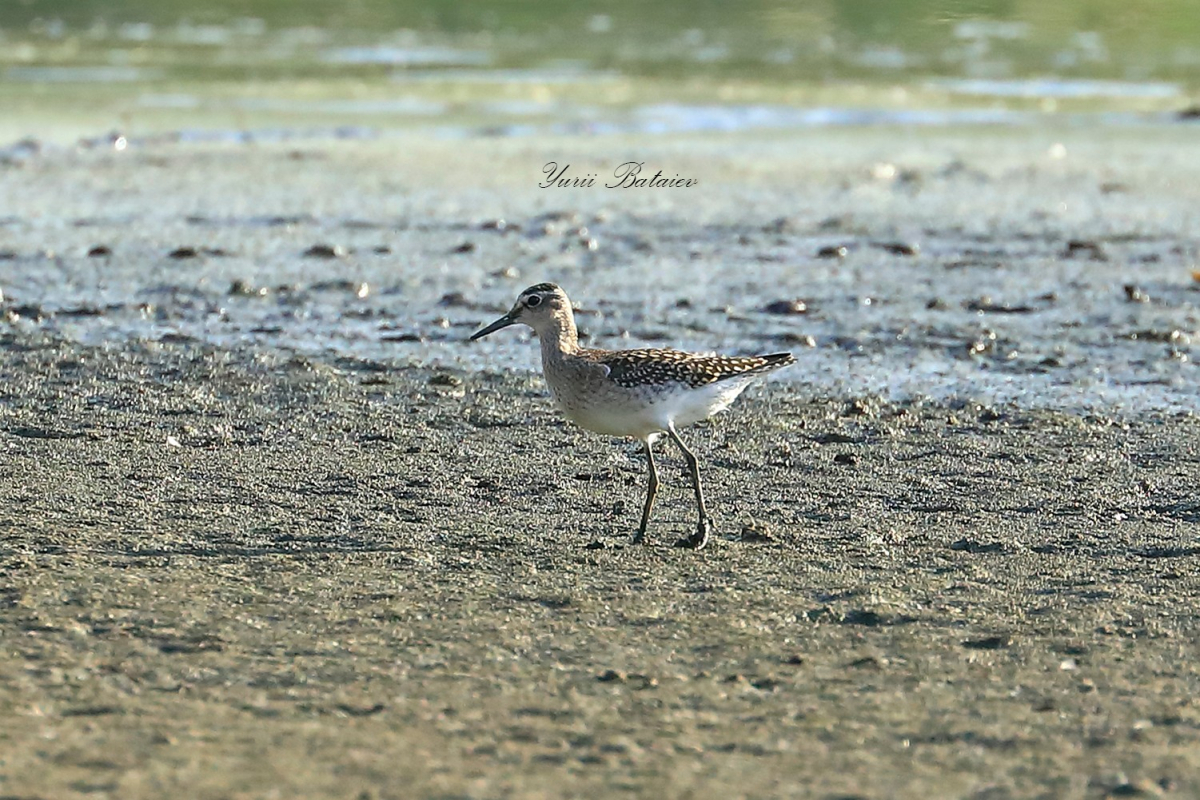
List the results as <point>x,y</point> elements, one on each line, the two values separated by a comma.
<point>272,528</point>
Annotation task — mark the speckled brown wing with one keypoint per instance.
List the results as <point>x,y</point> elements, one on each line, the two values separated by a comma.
<point>651,367</point>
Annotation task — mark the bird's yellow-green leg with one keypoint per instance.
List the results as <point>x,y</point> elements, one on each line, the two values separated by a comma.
<point>704,524</point>
<point>651,491</point>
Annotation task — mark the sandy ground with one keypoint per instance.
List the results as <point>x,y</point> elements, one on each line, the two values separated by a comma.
<point>350,565</point>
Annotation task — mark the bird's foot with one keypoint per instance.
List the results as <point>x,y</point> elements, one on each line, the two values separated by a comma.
<point>698,539</point>
<point>638,538</point>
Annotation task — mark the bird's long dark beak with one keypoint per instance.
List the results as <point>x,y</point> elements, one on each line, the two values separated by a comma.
<point>503,322</point>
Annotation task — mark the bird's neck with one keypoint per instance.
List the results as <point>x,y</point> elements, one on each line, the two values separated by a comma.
<point>559,339</point>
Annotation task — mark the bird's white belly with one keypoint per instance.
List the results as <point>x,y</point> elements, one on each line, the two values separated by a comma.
<point>641,414</point>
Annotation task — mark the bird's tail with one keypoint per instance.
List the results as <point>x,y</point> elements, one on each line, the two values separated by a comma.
<point>773,361</point>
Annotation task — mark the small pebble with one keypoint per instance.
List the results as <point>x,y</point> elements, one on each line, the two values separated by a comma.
<point>988,643</point>
<point>797,338</point>
<point>786,307</point>
<point>1139,788</point>
<point>243,288</point>
<point>984,305</point>
<point>454,300</point>
<point>1079,248</point>
<point>980,346</point>
<point>899,248</point>
<point>869,662</point>
<point>82,311</point>
<point>465,247</point>
<point>325,251</point>
<point>99,251</point>
<point>1134,294</point>
<point>976,546</point>
<point>29,312</point>
<point>860,616</point>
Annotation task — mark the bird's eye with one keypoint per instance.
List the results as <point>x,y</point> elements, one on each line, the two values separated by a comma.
<point>533,300</point>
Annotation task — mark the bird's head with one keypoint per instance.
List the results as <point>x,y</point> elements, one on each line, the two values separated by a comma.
<point>539,307</point>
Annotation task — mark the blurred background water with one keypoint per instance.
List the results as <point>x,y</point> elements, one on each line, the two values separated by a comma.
<point>565,67</point>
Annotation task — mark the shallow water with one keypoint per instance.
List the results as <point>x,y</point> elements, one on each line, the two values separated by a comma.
<point>143,68</point>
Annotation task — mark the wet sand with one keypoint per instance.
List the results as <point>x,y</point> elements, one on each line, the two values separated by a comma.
<point>1046,267</point>
<point>353,556</point>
